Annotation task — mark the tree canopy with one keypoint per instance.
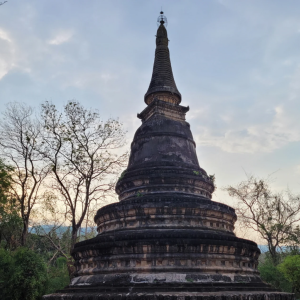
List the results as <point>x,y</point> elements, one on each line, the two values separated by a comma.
<point>273,216</point>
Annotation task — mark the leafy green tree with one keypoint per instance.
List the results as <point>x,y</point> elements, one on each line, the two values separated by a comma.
<point>10,221</point>
<point>58,275</point>
<point>272,275</point>
<point>23,275</point>
<point>5,180</point>
<point>291,270</point>
<point>10,229</point>
<point>6,267</point>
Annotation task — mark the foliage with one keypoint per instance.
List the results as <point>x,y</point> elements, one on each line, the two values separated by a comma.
<point>50,241</point>
<point>10,221</point>
<point>291,270</point>
<point>23,275</point>
<point>122,174</point>
<point>5,180</point>
<point>212,178</point>
<point>272,215</point>
<point>6,266</point>
<point>58,275</point>
<point>10,229</point>
<point>272,275</point>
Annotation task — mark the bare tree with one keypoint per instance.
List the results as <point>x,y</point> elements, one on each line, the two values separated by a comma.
<point>82,151</point>
<point>1,3</point>
<point>273,215</point>
<point>20,136</point>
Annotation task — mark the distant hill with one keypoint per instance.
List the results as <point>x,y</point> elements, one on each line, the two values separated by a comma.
<point>59,230</point>
<point>263,248</point>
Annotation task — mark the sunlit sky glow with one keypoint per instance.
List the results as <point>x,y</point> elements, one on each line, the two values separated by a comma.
<point>236,64</point>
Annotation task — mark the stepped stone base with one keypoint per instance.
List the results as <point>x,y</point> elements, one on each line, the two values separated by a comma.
<point>163,247</point>
<point>158,291</point>
<point>176,296</point>
<point>171,291</point>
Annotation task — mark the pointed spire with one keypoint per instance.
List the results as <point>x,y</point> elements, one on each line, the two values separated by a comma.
<point>162,85</point>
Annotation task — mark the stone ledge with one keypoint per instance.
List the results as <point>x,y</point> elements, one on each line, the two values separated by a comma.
<point>166,236</point>
<point>163,200</point>
<point>174,296</point>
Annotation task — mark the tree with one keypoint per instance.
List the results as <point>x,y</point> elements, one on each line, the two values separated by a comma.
<point>23,275</point>
<point>1,3</point>
<point>5,180</point>
<point>58,276</point>
<point>10,221</point>
<point>20,137</point>
<point>291,270</point>
<point>272,274</point>
<point>272,215</point>
<point>83,153</point>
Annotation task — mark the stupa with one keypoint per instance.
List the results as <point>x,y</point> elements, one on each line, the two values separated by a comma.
<point>165,238</point>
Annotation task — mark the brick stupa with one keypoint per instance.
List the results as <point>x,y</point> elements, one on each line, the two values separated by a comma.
<point>166,238</point>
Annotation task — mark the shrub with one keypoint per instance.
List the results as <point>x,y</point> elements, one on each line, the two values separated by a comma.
<point>272,275</point>
<point>291,270</point>
<point>23,275</point>
<point>6,265</point>
<point>58,276</point>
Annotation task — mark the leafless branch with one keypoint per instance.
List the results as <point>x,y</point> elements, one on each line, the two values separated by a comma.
<point>81,149</point>
<point>273,215</point>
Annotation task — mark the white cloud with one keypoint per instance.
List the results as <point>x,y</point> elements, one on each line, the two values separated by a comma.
<point>3,69</point>
<point>7,53</point>
<point>4,36</point>
<point>90,80</point>
<point>264,137</point>
<point>61,37</point>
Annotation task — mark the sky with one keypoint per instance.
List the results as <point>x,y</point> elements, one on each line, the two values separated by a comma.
<point>235,62</point>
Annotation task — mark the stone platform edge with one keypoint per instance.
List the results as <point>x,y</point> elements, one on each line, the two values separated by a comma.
<point>225,295</point>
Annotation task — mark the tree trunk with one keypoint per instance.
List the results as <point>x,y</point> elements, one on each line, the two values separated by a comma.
<point>70,261</point>
<point>24,232</point>
<point>274,255</point>
<point>74,236</point>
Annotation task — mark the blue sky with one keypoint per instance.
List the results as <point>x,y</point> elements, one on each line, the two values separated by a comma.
<point>235,62</point>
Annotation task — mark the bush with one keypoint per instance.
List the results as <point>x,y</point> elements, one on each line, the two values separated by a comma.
<point>272,275</point>
<point>58,276</point>
<point>291,270</point>
<point>23,275</point>
<point>6,266</point>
